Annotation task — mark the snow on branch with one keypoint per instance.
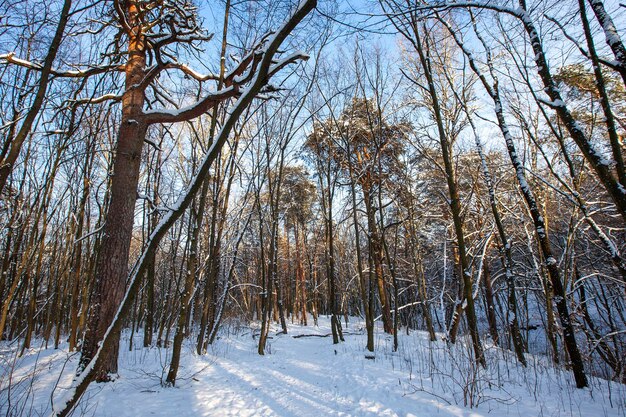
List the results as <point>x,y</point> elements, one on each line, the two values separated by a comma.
<point>192,111</point>
<point>187,70</point>
<point>234,80</point>
<point>96,100</point>
<point>10,58</point>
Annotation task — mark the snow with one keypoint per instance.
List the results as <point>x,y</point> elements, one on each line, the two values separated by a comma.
<point>554,103</point>
<point>177,112</point>
<point>610,31</point>
<point>309,376</point>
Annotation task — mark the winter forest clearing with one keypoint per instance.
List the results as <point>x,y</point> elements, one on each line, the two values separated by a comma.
<point>304,375</point>
<point>285,207</point>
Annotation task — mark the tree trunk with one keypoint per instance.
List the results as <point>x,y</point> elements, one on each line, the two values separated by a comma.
<point>455,203</point>
<point>376,253</point>
<point>300,280</point>
<point>559,296</point>
<point>491,308</point>
<point>112,261</point>
<point>364,285</point>
<point>418,270</point>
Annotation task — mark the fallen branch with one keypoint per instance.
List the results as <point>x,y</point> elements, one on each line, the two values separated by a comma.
<point>323,335</point>
<point>311,335</point>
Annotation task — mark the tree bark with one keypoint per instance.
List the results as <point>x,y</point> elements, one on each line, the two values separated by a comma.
<point>112,260</point>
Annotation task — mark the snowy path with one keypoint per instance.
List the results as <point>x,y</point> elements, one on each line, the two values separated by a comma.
<point>309,376</point>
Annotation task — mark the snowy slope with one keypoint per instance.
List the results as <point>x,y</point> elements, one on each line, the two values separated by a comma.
<point>308,376</point>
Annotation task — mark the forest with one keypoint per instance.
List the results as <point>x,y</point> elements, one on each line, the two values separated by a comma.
<point>361,194</point>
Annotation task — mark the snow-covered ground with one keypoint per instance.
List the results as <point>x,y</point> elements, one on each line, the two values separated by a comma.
<point>308,376</point>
